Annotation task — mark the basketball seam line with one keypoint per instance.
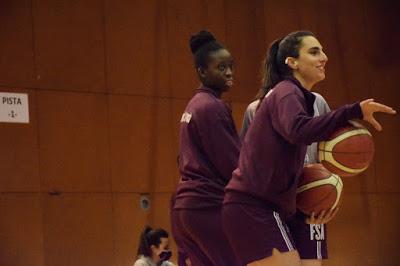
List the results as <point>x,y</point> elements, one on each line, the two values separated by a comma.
<point>325,149</point>
<point>339,189</point>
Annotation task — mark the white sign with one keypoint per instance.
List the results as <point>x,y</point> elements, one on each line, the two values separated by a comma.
<point>14,107</point>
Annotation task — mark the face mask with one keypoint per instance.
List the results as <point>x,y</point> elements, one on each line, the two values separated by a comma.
<point>165,255</point>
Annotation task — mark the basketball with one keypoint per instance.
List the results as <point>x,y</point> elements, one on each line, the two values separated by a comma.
<point>348,151</point>
<point>318,190</point>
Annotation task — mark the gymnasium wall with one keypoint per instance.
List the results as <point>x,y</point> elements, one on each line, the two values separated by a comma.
<point>107,82</point>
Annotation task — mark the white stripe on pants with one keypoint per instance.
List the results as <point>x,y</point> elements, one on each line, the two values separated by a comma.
<point>283,231</point>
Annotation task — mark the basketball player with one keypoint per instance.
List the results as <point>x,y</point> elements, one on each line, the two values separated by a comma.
<point>208,153</point>
<point>310,239</point>
<point>261,195</point>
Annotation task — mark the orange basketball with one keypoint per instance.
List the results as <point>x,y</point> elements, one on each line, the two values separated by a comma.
<point>348,151</point>
<point>318,190</point>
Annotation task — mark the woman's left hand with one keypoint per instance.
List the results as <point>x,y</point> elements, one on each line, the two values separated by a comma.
<point>323,217</point>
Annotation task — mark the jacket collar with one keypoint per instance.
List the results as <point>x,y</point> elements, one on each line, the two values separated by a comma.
<point>308,95</point>
<point>203,88</point>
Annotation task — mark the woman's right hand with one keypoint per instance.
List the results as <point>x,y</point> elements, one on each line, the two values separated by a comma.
<point>369,107</point>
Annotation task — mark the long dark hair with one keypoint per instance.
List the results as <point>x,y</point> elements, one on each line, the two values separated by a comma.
<point>275,69</point>
<point>150,237</point>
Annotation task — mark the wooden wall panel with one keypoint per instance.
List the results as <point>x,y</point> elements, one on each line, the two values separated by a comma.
<point>159,217</point>
<point>387,220</point>
<point>73,139</point>
<point>245,36</point>
<point>363,233</point>
<point>144,143</point>
<point>19,156</point>
<point>78,229</point>
<point>386,149</point>
<point>164,135</point>
<point>352,53</point>
<point>129,221</point>
<point>184,19</point>
<point>213,13</point>
<point>386,155</point>
<point>130,142</point>
<point>280,18</point>
<point>352,235</point>
<point>16,44</point>
<point>137,47</point>
<point>309,15</point>
<point>69,44</point>
<point>365,182</point>
<point>333,87</point>
<point>381,20</point>
<point>384,89</point>
<point>21,230</point>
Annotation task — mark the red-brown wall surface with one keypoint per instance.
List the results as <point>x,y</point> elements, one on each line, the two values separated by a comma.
<point>107,82</point>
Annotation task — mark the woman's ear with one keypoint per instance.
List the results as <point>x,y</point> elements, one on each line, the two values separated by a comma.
<point>291,62</point>
<point>202,72</point>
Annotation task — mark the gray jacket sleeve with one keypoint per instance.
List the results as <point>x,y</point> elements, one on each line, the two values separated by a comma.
<point>248,117</point>
<point>321,107</point>
<point>167,263</point>
<point>140,262</point>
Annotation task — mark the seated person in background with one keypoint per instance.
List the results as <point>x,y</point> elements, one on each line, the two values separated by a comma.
<point>153,248</point>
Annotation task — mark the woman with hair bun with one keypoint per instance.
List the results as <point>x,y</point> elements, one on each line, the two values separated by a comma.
<point>208,153</point>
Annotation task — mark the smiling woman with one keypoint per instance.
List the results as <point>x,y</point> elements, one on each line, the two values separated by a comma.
<point>208,153</point>
<point>260,199</point>
<point>309,67</point>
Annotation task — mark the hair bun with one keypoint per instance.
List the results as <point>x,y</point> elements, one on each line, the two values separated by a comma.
<point>199,39</point>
